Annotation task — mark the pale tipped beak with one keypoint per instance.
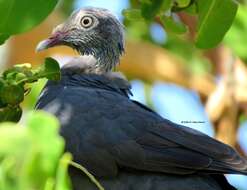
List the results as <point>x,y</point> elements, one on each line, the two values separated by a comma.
<point>45,44</point>
<point>55,40</point>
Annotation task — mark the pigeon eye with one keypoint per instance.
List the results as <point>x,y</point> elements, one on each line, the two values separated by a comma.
<point>86,21</point>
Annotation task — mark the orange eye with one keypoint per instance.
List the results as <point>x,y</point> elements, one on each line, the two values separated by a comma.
<point>86,21</point>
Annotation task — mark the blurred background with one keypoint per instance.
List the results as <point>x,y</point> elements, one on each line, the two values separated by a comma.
<point>202,89</point>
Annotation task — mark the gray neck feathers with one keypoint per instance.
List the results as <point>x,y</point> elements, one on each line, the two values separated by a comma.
<point>106,53</point>
<point>83,65</point>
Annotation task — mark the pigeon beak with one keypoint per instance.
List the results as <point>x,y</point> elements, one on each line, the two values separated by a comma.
<point>45,44</point>
<point>54,40</point>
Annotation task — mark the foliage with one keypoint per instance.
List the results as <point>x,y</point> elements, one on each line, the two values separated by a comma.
<point>236,38</point>
<point>27,159</point>
<point>21,16</point>
<point>18,17</point>
<point>211,15</point>
<point>12,86</point>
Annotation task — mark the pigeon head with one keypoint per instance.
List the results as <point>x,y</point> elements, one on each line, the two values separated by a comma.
<point>90,31</point>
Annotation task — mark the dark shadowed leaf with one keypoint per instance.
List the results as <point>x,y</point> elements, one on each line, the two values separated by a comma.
<point>215,18</point>
<point>150,10</point>
<point>50,69</point>
<point>146,1</point>
<point>3,38</point>
<point>12,94</point>
<point>10,113</point>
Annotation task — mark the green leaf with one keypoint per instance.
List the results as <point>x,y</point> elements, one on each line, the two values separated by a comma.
<point>19,72</point>
<point>132,14</point>
<point>20,16</point>
<point>236,37</point>
<point>171,25</point>
<point>62,173</point>
<point>146,1</point>
<point>215,19</point>
<point>3,38</point>
<point>192,9</point>
<point>242,119</point>
<point>12,94</point>
<point>166,5</point>
<point>183,3</point>
<point>31,98</point>
<point>12,84</point>
<point>12,137</point>
<point>10,113</point>
<point>149,11</point>
<point>30,156</point>
<point>2,85</point>
<point>50,184</point>
<point>42,125</point>
<point>23,66</point>
<point>50,69</point>
<point>42,159</point>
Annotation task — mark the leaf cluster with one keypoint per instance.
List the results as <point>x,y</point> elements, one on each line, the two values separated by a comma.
<point>12,86</point>
<point>212,24</point>
<point>31,157</point>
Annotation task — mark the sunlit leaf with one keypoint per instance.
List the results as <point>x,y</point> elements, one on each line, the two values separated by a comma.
<point>166,5</point>
<point>18,72</point>
<point>236,38</point>
<point>30,155</point>
<point>42,158</point>
<point>173,26</point>
<point>12,138</point>
<point>31,99</point>
<point>183,3</point>
<point>192,9</point>
<point>215,18</point>
<point>62,173</point>
<point>43,125</point>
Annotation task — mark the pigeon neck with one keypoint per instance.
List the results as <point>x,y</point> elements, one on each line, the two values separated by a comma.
<point>107,56</point>
<point>105,63</point>
<point>86,64</point>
